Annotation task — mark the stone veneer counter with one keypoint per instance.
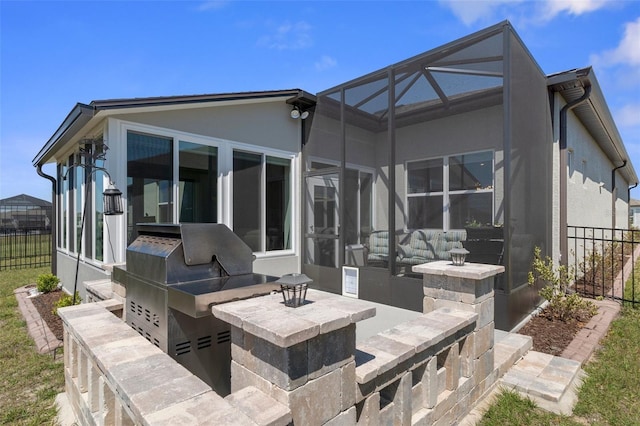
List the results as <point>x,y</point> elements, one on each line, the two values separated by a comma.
<point>268,318</point>
<point>475,271</point>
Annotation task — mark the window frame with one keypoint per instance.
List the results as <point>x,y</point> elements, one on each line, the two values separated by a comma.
<point>446,191</point>
<point>225,149</point>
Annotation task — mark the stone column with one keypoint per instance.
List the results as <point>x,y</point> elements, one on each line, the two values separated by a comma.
<point>302,357</point>
<point>466,288</point>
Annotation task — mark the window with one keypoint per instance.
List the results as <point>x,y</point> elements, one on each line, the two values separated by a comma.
<point>425,186</point>
<point>198,189</point>
<point>450,192</point>
<point>149,180</point>
<point>98,206</point>
<point>262,200</point>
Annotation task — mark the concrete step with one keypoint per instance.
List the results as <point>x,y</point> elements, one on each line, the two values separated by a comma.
<point>550,381</point>
<point>509,348</point>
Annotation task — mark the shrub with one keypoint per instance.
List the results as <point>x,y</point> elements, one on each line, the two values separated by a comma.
<point>564,303</point>
<point>47,282</point>
<point>66,300</point>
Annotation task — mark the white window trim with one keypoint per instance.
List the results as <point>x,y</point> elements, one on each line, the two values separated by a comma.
<point>225,171</point>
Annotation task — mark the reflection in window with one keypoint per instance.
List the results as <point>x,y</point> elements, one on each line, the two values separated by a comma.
<point>357,211</point>
<point>278,203</point>
<point>471,171</point>
<point>149,180</point>
<point>425,176</point>
<point>247,175</point>
<point>198,188</point>
<point>250,188</point>
<point>468,199</point>
<point>425,212</point>
<point>469,209</point>
<point>99,211</point>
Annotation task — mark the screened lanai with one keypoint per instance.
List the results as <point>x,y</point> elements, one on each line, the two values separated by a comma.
<point>450,148</point>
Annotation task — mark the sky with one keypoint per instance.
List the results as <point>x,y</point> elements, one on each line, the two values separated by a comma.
<point>54,54</point>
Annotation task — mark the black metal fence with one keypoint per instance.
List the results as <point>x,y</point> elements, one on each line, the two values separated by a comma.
<point>603,261</point>
<point>25,237</point>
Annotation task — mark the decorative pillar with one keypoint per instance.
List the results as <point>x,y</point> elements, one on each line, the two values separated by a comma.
<point>467,288</point>
<point>296,355</point>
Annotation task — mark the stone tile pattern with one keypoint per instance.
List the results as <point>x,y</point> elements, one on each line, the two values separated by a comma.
<point>114,376</point>
<point>430,370</point>
<point>300,365</point>
<point>302,357</point>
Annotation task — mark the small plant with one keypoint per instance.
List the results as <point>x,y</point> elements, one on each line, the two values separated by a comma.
<point>564,303</point>
<point>47,282</point>
<point>66,300</point>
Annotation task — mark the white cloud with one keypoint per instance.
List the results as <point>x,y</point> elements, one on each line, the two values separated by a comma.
<point>626,53</point>
<point>288,36</point>
<point>573,7</point>
<point>628,115</point>
<point>537,12</point>
<point>471,11</point>
<point>325,62</point>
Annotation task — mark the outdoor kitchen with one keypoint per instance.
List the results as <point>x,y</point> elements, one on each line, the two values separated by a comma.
<point>204,340</point>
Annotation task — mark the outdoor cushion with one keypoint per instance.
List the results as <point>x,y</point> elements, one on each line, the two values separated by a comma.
<point>378,245</point>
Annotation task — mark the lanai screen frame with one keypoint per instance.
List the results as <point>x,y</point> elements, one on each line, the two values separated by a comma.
<point>375,107</point>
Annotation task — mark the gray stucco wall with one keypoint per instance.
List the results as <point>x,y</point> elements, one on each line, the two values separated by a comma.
<point>589,197</point>
<point>67,272</point>
<point>266,124</point>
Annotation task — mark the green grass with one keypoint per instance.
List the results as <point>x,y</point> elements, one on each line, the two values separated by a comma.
<point>512,409</point>
<point>632,286</point>
<point>610,395</point>
<point>29,381</point>
<point>611,391</point>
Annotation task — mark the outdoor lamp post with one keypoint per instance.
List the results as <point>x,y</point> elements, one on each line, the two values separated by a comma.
<point>294,289</point>
<point>458,255</point>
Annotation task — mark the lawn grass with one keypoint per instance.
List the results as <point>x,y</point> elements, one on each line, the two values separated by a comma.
<point>29,382</point>
<point>610,394</point>
<point>512,409</point>
<point>632,287</point>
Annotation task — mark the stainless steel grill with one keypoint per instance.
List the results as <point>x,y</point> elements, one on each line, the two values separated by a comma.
<point>173,275</point>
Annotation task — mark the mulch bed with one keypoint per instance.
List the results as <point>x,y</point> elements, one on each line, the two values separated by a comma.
<point>45,303</point>
<point>550,336</point>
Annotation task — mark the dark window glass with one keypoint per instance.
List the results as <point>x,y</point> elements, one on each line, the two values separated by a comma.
<point>425,212</point>
<point>99,212</point>
<point>149,180</point>
<point>469,209</point>
<point>471,171</point>
<point>278,203</point>
<point>198,190</point>
<point>425,176</point>
<point>247,174</point>
<point>71,179</point>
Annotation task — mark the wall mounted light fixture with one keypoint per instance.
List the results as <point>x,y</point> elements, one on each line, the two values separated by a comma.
<point>296,112</point>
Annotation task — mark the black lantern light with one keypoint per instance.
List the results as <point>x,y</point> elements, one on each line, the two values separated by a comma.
<point>112,198</point>
<point>294,289</point>
<point>458,255</point>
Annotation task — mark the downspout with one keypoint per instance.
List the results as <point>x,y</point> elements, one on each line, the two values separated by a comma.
<point>614,192</point>
<point>564,243</point>
<point>54,223</point>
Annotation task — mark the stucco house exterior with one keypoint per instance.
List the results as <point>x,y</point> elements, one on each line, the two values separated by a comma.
<point>467,145</point>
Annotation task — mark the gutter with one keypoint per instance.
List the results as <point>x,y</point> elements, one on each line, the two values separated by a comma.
<point>54,186</point>
<point>614,192</point>
<point>564,243</point>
